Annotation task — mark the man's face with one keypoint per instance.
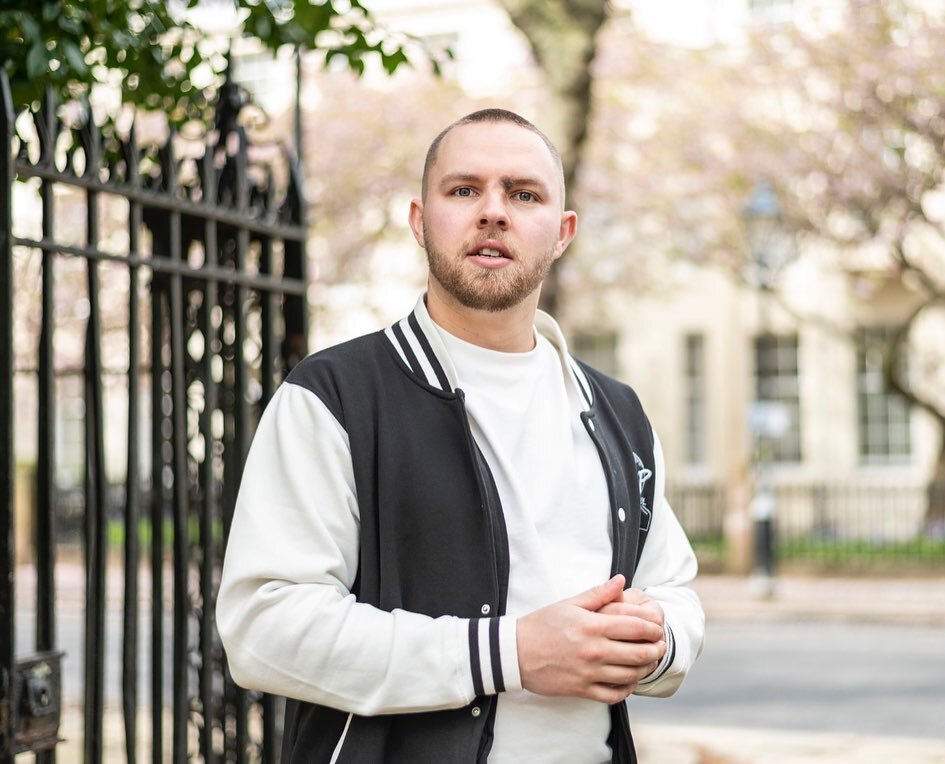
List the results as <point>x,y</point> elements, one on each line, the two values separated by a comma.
<point>492,221</point>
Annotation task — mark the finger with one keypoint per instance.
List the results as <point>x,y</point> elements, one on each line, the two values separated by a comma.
<point>647,612</point>
<point>633,654</point>
<point>635,596</point>
<point>609,693</point>
<point>598,596</point>
<point>647,670</point>
<point>615,691</point>
<point>629,628</point>
<point>622,676</point>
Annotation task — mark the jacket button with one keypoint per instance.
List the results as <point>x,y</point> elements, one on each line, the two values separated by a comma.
<point>621,514</point>
<point>476,711</point>
<point>485,609</point>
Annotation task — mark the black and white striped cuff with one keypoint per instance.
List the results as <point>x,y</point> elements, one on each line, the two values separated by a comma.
<point>668,657</point>
<point>493,659</point>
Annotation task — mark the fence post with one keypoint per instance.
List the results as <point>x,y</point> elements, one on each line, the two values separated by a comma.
<point>737,529</point>
<point>7,458</point>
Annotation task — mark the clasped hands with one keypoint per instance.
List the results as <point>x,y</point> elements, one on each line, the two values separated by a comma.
<point>597,645</point>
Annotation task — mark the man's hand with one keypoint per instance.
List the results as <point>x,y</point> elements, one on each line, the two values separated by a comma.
<point>634,602</point>
<point>596,645</point>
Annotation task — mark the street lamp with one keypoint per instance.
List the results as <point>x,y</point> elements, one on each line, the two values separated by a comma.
<point>767,420</point>
<point>765,234</point>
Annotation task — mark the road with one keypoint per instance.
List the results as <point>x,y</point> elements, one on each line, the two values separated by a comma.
<point>868,679</point>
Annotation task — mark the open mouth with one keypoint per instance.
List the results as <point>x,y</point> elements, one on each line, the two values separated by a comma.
<point>489,251</point>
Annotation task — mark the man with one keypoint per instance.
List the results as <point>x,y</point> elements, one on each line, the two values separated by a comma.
<point>438,523</point>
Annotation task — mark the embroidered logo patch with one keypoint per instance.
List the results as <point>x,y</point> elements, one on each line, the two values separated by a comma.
<point>643,474</point>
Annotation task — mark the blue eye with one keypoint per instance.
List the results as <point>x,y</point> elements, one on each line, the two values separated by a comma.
<point>464,191</point>
<point>525,196</point>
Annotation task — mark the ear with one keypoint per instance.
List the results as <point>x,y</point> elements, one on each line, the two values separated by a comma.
<point>566,232</point>
<point>415,218</point>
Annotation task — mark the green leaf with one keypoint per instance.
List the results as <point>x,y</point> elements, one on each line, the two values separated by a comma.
<point>262,27</point>
<point>37,61</point>
<point>28,25</point>
<point>392,60</point>
<point>122,39</point>
<point>74,57</point>
<point>312,19</point>
<point>70,25</point>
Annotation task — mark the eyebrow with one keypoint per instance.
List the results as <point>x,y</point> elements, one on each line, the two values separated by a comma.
<point>458,177</point>
<point>510,183</point>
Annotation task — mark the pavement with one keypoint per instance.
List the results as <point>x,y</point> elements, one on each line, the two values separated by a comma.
<point>800,598</point>
<point>686,744</point>
<point>805,598</point>
<point>725,598</point>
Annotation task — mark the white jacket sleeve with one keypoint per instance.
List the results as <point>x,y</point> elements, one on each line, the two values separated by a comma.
<point>285,612</point>
<point>666,568</point>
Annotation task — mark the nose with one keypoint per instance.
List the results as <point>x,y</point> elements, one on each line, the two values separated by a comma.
<point>493,211</point>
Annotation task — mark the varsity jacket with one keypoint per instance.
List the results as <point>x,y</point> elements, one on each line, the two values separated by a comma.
<point>367,566</point>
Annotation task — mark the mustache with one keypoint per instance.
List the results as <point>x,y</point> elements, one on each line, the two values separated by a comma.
<point>490,235</point>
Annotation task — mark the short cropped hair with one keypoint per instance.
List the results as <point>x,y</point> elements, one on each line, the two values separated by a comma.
<point>489,115</point>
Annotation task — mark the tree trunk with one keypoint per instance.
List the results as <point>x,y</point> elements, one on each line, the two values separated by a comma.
<point>562,35</point>
<point>898,381</point>
<point>934,525</point>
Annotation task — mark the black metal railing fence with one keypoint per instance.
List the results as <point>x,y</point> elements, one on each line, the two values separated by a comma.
<point>160,289</point>
<point>852,525</point>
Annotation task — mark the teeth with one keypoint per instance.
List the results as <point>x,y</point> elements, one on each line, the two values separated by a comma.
<point>490,252</point>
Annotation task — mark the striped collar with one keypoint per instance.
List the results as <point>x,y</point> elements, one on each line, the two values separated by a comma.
<point>419,346</point>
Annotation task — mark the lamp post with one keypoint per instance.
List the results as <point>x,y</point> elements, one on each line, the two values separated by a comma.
<point>767,419</point>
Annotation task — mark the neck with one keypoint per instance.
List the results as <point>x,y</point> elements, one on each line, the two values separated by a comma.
<point>508,331</point>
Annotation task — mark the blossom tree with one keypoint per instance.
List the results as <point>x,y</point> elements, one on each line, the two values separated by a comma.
<point>845,121</point>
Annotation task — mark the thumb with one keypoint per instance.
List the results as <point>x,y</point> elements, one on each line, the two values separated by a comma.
<point>597,596</point>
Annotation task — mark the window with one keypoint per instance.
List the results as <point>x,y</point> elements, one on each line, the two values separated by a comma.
<point>777,389</point>
<point>771,10</point>
<point>70,431</point>
<point>598,349</point>
<point>266,77</point>
<point>882,414</point>
<point>694,404</point>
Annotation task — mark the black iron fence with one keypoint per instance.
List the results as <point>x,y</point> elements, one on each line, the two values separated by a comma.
<point>858,525</point>
<point>152,296</point>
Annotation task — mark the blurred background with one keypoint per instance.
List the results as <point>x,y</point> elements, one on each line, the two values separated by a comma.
<point>198,193</point>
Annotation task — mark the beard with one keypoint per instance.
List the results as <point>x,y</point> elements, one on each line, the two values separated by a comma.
<point>488,289</point>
